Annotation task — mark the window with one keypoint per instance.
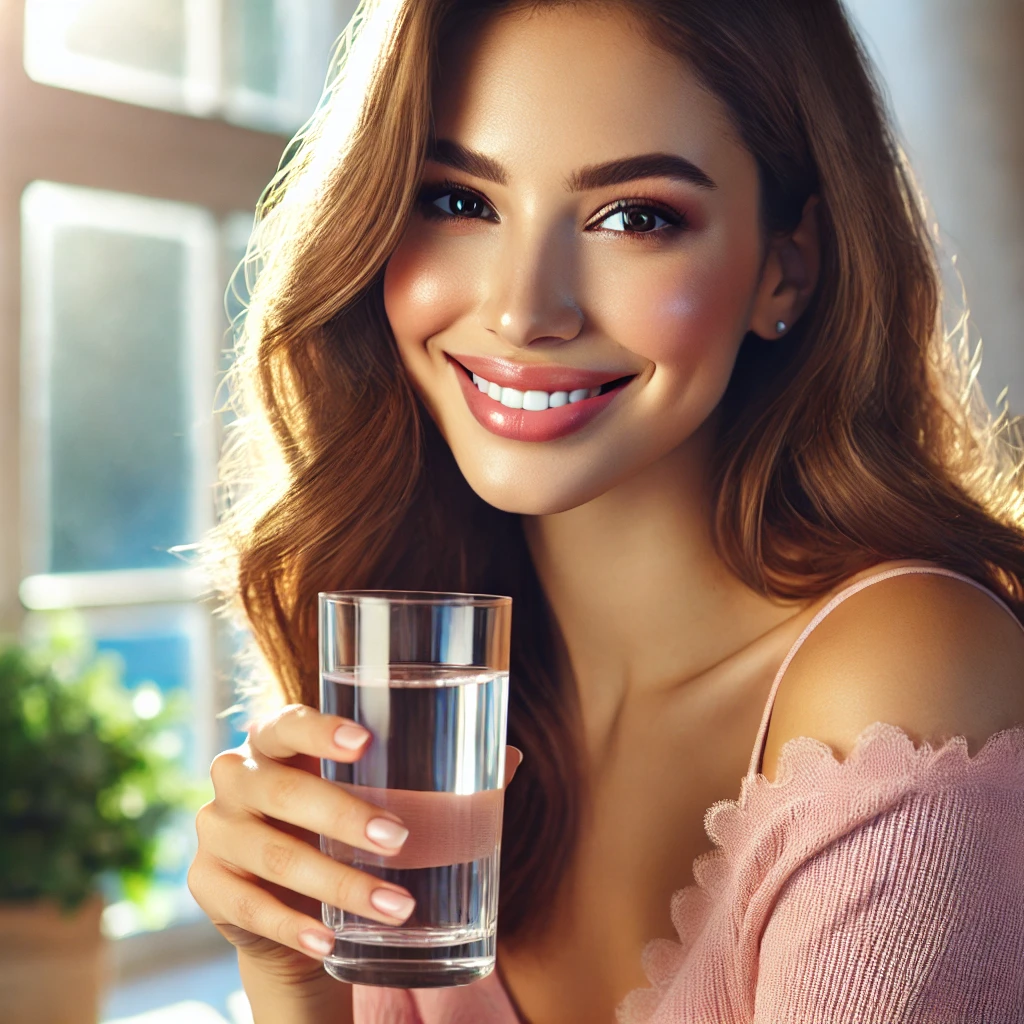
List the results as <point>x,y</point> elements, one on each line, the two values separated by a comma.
<point>119,305</point>
<point>122,320</point>
<point>247,61</point>
<point>136,139</point>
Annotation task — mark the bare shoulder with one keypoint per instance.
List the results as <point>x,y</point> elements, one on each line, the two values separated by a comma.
<point>928,653</point>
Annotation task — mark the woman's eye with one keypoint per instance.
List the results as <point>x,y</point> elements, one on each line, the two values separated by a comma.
<point>637,220</point>
<point>455,204</point>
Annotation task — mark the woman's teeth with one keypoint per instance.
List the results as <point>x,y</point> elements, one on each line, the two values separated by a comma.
<point>532,401</point>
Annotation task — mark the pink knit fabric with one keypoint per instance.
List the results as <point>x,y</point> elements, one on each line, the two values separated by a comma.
<point>884,889</point>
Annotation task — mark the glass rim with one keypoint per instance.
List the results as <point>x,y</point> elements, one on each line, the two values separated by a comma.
<point>413,597</point>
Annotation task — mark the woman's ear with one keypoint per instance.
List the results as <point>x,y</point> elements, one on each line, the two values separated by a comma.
<point>789,276</point>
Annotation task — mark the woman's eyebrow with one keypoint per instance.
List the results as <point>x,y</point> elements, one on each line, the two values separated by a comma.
<point>613,172</point>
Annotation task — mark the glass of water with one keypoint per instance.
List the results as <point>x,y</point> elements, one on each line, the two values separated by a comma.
<point>427,675</point>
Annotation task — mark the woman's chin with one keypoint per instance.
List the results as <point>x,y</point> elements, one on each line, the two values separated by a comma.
<point>530,494</point>
<point>524,506</point>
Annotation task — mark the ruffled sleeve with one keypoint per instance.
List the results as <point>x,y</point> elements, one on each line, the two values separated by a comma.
<point>884,889</point>
<point>915,916</point>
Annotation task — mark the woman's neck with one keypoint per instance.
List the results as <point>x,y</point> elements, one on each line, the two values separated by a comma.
<point>642,598</point>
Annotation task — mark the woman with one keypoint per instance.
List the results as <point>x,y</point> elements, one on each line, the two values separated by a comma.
<point>628,310</point>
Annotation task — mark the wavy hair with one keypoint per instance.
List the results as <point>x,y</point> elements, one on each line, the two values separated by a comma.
<point>860,437</point>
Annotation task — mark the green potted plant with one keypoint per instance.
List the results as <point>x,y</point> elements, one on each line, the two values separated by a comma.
<point>88,780</point>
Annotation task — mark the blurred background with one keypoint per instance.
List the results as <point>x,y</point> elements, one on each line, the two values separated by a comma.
<point>135,139</point>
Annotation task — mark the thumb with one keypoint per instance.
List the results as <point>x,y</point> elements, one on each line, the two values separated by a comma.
<point>513,759</point>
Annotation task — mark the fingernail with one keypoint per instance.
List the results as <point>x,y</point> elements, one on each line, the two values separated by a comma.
<point>351,737</point>
<point>387,901</point>
<point>387,833</point>
<point>316,943</point>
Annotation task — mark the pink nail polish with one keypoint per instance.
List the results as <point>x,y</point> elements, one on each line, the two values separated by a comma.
<point>316,943</point>
<point>387,901</point>
<point>350,737</point>
<point>386,832</point>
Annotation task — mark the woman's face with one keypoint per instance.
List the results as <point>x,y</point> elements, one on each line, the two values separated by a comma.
<point>587,242</point>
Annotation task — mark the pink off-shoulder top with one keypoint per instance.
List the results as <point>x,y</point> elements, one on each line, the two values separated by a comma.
<point>884,889</point>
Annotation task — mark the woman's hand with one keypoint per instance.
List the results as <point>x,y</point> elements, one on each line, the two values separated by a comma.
<point>259,873</point>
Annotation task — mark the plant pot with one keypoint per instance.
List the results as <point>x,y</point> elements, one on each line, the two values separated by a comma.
<point>53,968</point>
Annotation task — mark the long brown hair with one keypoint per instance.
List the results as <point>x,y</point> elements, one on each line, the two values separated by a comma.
<point>861,437</point>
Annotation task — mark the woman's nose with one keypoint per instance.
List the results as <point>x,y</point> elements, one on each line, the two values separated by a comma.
<point>529,292</point>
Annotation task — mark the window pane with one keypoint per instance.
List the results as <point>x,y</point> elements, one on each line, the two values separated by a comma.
<point>169,647</point>
<point>236,232</point>
<point>149,35</point>
<point>158,53</point>
<point>234,241</point>
<point>254,54</point>
<point>120,488</point>
<point>276,54</point>
<point>119,376</point>
<point>259,63</point>
<point>230,644</point>
<point>155,656</point>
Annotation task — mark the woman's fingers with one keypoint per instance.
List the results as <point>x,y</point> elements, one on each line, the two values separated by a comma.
<point>247,914</point>
<point>266,787</point>
<point>247,854</point>
<point>513,759</point>
<point>262,850</point>
<point>298,729</point>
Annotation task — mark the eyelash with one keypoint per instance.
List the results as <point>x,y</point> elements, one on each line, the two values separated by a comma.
<point>429,194</point>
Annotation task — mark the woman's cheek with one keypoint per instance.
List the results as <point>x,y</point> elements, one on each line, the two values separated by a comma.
<point>422,294</point>
<point>675,314</point>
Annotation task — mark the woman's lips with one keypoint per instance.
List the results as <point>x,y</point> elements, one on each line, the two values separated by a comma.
<point>529,377</point>
<point>523,425</point>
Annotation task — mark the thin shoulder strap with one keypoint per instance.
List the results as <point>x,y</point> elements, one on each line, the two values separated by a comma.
<point>758,753</point>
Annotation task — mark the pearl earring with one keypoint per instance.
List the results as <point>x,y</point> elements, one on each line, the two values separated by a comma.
<point>780,326</point>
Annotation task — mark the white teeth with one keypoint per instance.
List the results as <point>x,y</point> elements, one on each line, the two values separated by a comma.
<point>532,401</point>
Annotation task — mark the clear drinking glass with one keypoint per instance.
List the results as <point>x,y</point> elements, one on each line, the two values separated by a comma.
<point>427,675</point>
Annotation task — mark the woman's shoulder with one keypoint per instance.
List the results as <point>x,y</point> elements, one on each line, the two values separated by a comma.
<point>928,653</point>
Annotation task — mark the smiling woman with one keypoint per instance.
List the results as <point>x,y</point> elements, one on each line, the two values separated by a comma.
<point>628,310</point>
